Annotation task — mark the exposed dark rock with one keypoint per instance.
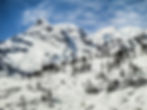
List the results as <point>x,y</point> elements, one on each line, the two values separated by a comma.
<point>113,85</point>
<point>91,89</point>
<point>49,28</point>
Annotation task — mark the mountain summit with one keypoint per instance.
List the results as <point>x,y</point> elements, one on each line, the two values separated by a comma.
<point>42,44</point>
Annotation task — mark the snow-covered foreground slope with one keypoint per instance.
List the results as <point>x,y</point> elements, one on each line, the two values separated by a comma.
<point>63,92</point>
<point>61,68</point>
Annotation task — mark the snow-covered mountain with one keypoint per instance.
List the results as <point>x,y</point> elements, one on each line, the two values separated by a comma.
<point>66,69</point>
<point>45,47</point>
<point>43,44</point>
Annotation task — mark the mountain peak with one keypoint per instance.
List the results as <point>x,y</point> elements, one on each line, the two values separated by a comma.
<point>41,21</point>
<point>40,26</point>
<point>43,44</point>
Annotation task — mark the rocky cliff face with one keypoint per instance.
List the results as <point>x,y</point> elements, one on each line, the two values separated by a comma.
<point>61,67</point>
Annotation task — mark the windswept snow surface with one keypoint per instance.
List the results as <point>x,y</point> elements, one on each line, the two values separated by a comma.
<point>60,67</point>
